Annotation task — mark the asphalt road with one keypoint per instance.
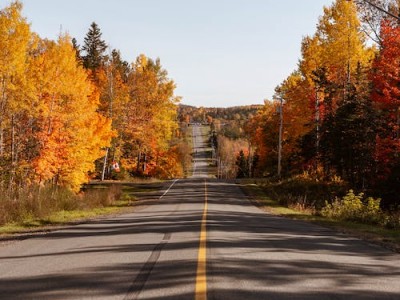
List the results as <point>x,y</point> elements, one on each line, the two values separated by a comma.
<point>157,253</point>
<point>201,156</point>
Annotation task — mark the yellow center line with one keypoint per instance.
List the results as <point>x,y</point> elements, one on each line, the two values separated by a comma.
<point>201,276</point>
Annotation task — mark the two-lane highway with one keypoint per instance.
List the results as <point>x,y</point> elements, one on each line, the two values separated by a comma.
<point>200,239</point>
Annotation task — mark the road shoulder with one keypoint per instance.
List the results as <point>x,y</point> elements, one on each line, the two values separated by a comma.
<point>378,236</point>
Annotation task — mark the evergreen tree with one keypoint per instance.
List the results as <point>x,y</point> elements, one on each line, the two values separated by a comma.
<point>243,169</point>
<point>355,136</point>
<point>122,66</point>
<point>94,47</point>
<point>324,139</point>
<point>348,133</point>
<point>77,48</point>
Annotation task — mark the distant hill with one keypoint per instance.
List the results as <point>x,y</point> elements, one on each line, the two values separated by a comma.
<point>209,114</point>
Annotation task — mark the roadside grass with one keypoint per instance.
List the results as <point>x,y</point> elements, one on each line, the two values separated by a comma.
<point>97,200</point>
<point>64,217</point>
<point>388,238</point>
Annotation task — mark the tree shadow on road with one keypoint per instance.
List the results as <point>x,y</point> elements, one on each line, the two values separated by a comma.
<point>244,248</point>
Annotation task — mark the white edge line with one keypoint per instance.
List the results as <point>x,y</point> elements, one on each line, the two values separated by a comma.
<point>169,188</point>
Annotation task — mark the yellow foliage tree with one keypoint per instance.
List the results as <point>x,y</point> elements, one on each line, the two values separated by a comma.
<point>149,118</point>
<point>16,41</point>
<point>297,113</point>
<point>71,132</point>
<point>338,48</point>
<point>342,41</point>
<point>263,130</point>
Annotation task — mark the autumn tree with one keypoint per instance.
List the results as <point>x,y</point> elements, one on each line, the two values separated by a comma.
<point>386,97</point>
<point>139,99</point>
<point>324,103</point>
<point>15,94</point>
<point>339,31</point>
<point>71,132</point>
<point>386,77</point>
<point>263,131</point>
<point>227,152</point>
<point>330,62</point>
<point>298,117</point>
<point>50,130</point>
<point>338,47</point>
<point>111,82</point>
<point>148,117</point>
<point>62,107</point>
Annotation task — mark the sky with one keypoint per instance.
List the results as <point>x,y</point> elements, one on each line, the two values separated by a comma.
<point>220,53</point>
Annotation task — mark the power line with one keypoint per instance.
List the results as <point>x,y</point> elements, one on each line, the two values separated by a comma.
<point>380,9</point>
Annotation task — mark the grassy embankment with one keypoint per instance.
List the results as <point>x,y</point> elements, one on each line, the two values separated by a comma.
<point>43,208</point>
<point>271,199</point>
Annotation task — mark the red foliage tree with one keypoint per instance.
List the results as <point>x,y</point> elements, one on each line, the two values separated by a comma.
<point>386,96</point>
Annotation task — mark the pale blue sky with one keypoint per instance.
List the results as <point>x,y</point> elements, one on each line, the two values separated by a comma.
<point>219,52</point>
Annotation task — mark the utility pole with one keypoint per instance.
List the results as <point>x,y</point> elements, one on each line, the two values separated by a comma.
<point>111,92</point>
<point>317,125</point>
<point>280,99</point>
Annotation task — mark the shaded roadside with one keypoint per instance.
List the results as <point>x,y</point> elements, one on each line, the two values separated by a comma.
<point>387,238</point>
<point>134,197</point>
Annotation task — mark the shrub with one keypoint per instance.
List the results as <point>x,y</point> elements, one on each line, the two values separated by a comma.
<point>392,221</point>
<point>303,192</point>
<point>354,207</point>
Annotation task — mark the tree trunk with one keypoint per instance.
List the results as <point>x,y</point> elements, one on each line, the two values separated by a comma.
<point>1,141</point>
<point>103,173</point>
<point>139,158</point>
<point>12,152</point>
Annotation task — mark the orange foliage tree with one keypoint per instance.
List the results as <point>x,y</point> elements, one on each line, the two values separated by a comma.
<point>50,130</point>
<point>61,110</point>
<point>147,122</point>
<point>386,96</point>
<point>71,132</point>
<point>15,93</point>
<point>328,69</point>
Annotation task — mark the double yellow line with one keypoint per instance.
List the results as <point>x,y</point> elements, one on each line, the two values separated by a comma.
<point>201,275</point>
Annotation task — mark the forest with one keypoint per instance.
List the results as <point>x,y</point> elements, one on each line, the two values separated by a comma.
<point>71,113</point>
<point>339,112</point>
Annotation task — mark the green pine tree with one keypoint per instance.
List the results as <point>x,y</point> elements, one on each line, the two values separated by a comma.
<point>348,132</point>
<point>243,168</point>
<point>77,48</point>
<point>94,48</point>
<point>120,65</point>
